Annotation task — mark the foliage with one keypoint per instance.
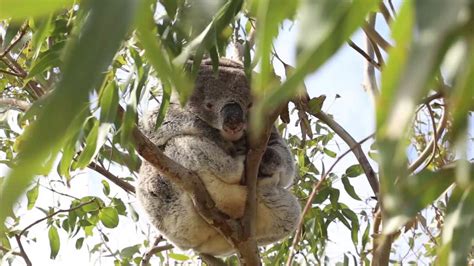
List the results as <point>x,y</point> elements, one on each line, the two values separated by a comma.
<point>66,67</point>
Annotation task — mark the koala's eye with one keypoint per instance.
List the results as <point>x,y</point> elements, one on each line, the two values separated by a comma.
<point>249,106</point>
<point>209,105</point>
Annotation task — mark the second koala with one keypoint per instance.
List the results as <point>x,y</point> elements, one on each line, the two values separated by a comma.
<point>207,137</point>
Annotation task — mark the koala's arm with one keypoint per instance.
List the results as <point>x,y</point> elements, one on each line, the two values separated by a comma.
<point>203,156</point>
<point>277,166</point>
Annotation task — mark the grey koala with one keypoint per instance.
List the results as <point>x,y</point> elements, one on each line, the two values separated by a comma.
<point>207,136</point>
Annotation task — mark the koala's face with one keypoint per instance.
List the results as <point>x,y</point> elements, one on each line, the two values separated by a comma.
<point>222,100</point>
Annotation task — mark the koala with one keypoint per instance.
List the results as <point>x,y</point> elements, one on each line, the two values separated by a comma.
<point>207,136</point>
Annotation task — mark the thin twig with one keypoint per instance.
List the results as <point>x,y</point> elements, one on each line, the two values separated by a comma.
<point>385,13</point>
<point>309,202</point>
<point>364,54</point>
<point>376,37</point>
<point>4,249</point>
<point>392,7</point>
<point>129,188</point>
<point>12,44</point>
<point>153,251</point>
<point>370,81</point>
<point>429,147</point>
<point>10,73</point>
<point>15,104</point>
<point>53,214</point>
<point>22,251</point>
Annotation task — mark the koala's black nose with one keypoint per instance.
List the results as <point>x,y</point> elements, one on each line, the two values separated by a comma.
<point>233,116</point>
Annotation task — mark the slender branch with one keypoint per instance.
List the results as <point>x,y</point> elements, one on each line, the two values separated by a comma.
<point>129,188</point>
<point>364,54</point>
<point>4,249</point>
<point>370,81</point>
<point>22,251</point>
<point>309,202</point>
<point>385,13</point>
<point>357,150</point>
<point>376,37</point>
<point>15,104</point>
<point>153,251</point>
<point>429,148</point>
<point>392,7</point>
<point>12,44</point>
<point>53,214</point>
<point>10,73</point>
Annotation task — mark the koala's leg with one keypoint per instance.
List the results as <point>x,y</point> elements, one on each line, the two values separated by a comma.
<point>278,213</point>
<point>277,166</point>
<point>203,156</point>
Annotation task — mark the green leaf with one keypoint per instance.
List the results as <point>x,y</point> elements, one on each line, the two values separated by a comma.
<point>417,192</point>
<point>40,34</point>
<point>90,150</point>
<point>32,196</point>
<point>87,58</point>
<point>31,8</point>
<point>354,170</point>
<point>157,56</point>
<point>128,252</point>
<point>315,104</point>
<point>165,102</point>
<point>106,187</point>
<point>11,32</point>
<point>270,15</point>
<point>46,61</point>
<point>179,257</point>
<point>108,102</point>
<point>54,242</point>
<point>109,217</point>
<point>349,188</point>
<point>79,243</point>
<point>458,230</point>
<point>329,153</point>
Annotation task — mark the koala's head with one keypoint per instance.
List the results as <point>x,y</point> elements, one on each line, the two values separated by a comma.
<point>222,99</point>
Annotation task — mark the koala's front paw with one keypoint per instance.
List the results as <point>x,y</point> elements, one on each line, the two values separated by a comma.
<point>270,164</point>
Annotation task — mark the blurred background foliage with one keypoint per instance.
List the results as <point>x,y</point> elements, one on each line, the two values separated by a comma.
<point>66,66</point>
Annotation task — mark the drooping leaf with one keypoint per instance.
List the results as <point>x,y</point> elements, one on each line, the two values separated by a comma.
<point>54,242</point>
<point>32,196</point>
<point>349,188</point>
<point>458,230</point>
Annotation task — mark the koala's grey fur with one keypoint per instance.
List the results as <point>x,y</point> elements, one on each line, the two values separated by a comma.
<point>192,137</point>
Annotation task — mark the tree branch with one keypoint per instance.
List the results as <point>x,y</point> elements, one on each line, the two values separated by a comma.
<point>351,142</point>
<point>129,188</point>
<point>22,251</point>
<point>370,81</point>
<point>4,249</point>
<point>429,148</point>
<point>309,202</point>
<point>12,44</point>
<point>376,37</point>
<point>53,214</point>
<point>15,104</point>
